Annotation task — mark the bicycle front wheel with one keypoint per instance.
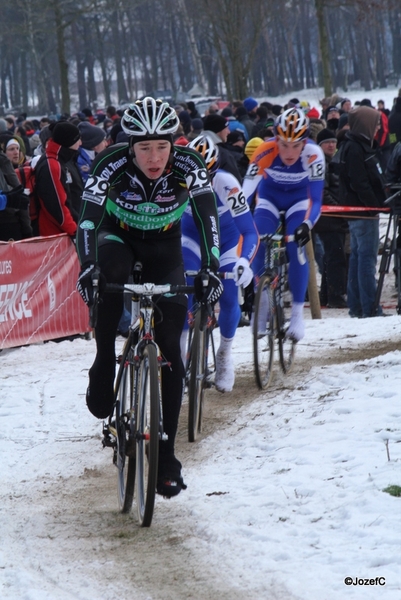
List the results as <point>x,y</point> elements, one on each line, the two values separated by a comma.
<point>197,379</point>
<point>263,332</point>
<point>124,434</point>
<point>286,346</point>
<point>147,434</point>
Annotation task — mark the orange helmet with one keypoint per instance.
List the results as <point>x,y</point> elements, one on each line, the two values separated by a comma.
<point>292,125</point>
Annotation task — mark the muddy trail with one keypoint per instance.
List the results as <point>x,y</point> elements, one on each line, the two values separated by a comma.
<point>77,521</point>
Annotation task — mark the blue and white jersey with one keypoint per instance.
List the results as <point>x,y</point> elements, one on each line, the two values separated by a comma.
<point>235,218</point>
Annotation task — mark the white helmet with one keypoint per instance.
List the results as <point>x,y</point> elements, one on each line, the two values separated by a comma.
<point>209,151</point>
<point>292,125</point>
<point>150,119</point>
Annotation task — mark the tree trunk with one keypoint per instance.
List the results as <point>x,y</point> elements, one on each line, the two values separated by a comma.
<point>76,40</point>
<point>193,48</point>
<point>121,87</point>
<point>102,62</point>
<point>324,48</point>
<point>62,62</point>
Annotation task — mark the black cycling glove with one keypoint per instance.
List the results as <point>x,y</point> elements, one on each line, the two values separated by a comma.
<point>301,234</point>
<point>208,287</point>
<point>89,275</point>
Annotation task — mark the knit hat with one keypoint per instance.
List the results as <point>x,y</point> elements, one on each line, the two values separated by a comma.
<point>250,103</point>
<point>313,113</point>
<point>64,133</point>
<point>235,136</point>
<point>45,135</point>
<point>331,109</point>
<point>122,138</point>
<point>91,135</point>
<point>277,109</point>
<point>13,142</point>
<point>343,120</point>
<point>197,124</point>
<point>240,111</point>
<point>215,123</point>
<point>227,112</point>
<point>3,125</point>
<point>252,145</point>
<point>325,136</point>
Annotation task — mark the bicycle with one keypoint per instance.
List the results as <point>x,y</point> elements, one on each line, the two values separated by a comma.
<point>135,426</point>
<point>391,249</point>
<point>200,364</point>
<point>271,305</point>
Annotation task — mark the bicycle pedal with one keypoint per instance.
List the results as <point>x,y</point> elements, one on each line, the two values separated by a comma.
<point>109,437</point>
<point>107,442</point>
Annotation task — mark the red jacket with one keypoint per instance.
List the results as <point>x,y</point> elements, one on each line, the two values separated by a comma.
<point>53,179</point>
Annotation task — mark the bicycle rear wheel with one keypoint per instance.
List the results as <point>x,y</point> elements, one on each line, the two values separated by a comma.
<point>197,379</point>
<point>263,332</point>
<point>123,423</point>
<point>147,434</point>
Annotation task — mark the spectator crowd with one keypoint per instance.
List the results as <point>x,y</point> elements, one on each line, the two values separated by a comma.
<point>48,163</point>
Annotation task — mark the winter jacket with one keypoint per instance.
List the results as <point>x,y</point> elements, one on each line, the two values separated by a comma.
<point>361,178</point>
<point>393,172</point>
<point>53,185</point>
<point>327,222</point>
<point>84,162</point>
<point>394,124</point>
<point>12,216</point>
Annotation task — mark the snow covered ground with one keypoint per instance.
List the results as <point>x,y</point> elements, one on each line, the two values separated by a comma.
<point>288,497</point>
<point>285,498</point>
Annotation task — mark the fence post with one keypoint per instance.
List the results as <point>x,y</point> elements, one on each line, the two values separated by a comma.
<point>313,293</point>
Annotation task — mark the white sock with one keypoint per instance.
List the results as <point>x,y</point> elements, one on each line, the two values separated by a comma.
<point>225,373</point>
<point>296,329</point>
<point>225,345</point>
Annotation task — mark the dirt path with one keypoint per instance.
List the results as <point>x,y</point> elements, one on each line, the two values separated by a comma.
<point>75,522</point>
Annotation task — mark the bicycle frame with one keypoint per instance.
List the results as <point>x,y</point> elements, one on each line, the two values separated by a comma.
<point>390,249</point>
<point>270,298</point>
<point>138,415</point>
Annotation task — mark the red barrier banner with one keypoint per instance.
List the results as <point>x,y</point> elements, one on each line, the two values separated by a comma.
<point>338,209</point>
<point>38,299</point>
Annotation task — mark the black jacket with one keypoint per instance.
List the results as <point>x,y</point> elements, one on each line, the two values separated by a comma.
<point>393,172</point>
<point>327,222</point>
<point>361,178</point>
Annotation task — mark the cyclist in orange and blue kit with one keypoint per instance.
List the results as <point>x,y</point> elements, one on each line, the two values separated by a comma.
<point>287,175</point>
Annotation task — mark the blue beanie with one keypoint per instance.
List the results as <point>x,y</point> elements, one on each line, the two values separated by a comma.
<point>250,103</point>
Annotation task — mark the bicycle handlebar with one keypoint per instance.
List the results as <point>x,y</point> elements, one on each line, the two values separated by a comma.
<point>150,289</point>
<point>220,274</point>
<point>278,237</point>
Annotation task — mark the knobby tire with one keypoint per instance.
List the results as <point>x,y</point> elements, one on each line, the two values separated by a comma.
<point>263,346</point>
<point>123,413</point>
<point>148,421</point>
<point>286,346</point>
<point>197,378</point>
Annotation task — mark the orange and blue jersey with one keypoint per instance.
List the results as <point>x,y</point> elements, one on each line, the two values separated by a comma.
<point>284,185</point>
<point>296,191</point>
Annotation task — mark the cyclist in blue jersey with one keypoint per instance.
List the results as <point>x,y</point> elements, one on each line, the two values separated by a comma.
<point>132,206</point>
<point>287,175</point>
<point>239,242</point>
